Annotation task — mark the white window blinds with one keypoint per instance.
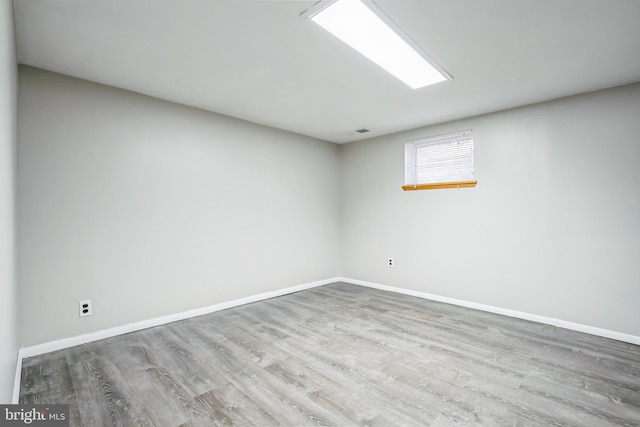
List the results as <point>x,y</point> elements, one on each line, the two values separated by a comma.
<point>441,159</point>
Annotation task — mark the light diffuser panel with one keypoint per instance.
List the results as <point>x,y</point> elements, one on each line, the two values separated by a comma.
<point>358,26</point>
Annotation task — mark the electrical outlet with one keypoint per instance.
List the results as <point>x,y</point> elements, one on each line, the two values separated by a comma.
<point>390,262</point>
<point>85,308</point>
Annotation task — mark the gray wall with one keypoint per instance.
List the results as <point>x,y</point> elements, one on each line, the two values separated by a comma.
<point>553,227</point>
<point>151,208</point>
<point>8,138</point>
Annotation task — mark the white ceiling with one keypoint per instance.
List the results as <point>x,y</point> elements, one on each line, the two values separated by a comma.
<point>259,61</point>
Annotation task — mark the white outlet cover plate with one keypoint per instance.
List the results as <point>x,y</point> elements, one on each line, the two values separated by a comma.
<point>81,307</point>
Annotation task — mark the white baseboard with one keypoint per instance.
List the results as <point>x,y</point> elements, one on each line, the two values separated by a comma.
<point>606,333</point>
<point>145,324</point>
<point>16,380</point>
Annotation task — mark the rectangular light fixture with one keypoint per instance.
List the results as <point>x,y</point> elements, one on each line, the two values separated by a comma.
<point>370,33</point>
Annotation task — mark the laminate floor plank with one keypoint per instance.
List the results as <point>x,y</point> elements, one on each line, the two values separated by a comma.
<point>106,398</point>
<point>343,355</point>
<point>251,377</point>
<point>46,379</point>
<point>159,384</point>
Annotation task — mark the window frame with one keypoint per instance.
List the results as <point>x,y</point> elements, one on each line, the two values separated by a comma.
<point>412,164</point>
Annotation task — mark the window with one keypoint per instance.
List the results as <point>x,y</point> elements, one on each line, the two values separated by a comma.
<point>444,161</point>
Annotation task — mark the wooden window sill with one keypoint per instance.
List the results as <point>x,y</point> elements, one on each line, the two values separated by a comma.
<point>440,185</point>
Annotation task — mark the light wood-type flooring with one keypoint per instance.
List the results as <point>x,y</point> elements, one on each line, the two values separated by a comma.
<point>343,355</point>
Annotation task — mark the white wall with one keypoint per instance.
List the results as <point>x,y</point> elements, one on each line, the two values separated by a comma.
<point>151,208</point>
<point>8,119</point>
<point>553,227</point>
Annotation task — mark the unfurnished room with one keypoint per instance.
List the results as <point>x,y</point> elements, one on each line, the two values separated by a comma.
<point>335,212</point>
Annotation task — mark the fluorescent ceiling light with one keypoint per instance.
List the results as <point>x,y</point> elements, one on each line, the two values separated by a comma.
<point>364,30</point>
